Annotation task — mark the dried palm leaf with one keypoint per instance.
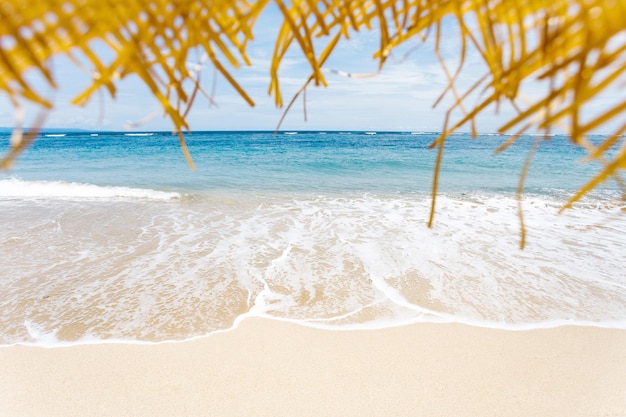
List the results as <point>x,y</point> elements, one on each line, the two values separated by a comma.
<point>574,49</point>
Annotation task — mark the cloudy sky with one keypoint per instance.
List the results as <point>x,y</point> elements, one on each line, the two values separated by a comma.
<point>400,98</point>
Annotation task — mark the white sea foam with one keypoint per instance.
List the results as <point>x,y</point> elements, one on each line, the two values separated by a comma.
<point>37,335</point>
<point>17,188</point>
<point>155,272</point>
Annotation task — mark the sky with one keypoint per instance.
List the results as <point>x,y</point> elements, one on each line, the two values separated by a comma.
<point>399,98</point>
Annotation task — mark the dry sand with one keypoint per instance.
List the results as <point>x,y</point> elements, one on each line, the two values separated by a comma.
<point>269,368</point>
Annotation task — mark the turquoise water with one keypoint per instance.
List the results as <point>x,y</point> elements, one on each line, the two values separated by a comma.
<point>111,236</point>
<point>328,162</point>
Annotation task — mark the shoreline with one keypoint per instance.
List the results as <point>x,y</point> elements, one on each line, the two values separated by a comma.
<point>273,368</point>
<point>54,343</point>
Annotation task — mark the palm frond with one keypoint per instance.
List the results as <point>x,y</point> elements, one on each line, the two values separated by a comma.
<point>574,49</point>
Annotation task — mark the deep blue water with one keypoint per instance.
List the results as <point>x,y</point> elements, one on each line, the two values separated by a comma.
<point>335,162</point>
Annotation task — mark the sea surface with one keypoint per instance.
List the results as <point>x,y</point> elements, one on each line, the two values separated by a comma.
<point>109,237</point>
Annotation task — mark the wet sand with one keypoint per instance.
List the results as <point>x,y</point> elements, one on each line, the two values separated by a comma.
<point>275,369</point>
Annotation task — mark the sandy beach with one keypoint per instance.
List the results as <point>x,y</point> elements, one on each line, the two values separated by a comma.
<point>270,368</point>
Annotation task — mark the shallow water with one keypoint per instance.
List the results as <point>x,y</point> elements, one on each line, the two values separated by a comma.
<point>113,237</point>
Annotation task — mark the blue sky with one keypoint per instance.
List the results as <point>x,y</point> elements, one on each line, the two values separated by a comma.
<point>399,98</point>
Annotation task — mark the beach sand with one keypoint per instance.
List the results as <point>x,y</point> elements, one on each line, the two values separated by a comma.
<point>270,368</point>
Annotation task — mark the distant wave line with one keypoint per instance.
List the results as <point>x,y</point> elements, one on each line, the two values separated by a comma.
<point>17,188</point>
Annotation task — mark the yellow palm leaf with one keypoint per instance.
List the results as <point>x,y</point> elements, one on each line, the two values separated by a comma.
<point>576,48</point>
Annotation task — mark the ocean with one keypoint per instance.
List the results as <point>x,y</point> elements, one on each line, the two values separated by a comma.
<point>111,237</point>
